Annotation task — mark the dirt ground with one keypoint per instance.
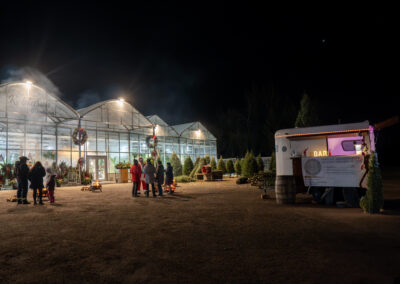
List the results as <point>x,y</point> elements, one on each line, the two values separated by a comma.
<point>206,232</point>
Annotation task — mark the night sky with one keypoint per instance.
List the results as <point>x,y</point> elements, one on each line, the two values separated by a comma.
<point>189,62</point>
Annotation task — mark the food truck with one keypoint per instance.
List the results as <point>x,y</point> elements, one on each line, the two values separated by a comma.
<point>330,162</point>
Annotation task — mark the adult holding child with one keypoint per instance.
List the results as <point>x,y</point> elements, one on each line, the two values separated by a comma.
<point>36,175</point>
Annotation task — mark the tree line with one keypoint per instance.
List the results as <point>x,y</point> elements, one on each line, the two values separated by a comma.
<point>252,128</point>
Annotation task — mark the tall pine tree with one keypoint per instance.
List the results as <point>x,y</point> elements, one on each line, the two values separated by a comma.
<point>307,115</point>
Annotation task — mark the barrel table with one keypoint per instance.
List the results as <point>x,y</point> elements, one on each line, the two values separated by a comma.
<point>285,189</point>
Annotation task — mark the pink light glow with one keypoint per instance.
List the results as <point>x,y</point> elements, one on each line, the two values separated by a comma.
<point>372,138</point>
<point>335,145</point>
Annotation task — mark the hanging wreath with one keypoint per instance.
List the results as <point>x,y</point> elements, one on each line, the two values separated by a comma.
<point>151,141</point>
<point>79,136</point>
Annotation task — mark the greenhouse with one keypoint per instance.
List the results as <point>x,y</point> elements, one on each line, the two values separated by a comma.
<point>38,124</point>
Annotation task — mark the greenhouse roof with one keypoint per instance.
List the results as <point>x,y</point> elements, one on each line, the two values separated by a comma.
<point>155,119</point>
<point>193,130</point>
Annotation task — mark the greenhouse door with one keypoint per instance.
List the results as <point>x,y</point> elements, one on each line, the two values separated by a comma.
<point>97,166</point>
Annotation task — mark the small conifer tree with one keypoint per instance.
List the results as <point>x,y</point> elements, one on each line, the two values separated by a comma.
<point>260,163</point>
<point>188,166</point>
<point>176,164</point>
<point>202,163</point>
<point>207,157</point>
<point>213,164</point>
<point>372,202</point>
<point>229,167</point>
<point>250,166</point>
<point>272,163</point>
<point>221,165</point>
<point>238,168</point>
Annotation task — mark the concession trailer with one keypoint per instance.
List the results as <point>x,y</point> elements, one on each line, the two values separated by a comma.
<point>330,162</point>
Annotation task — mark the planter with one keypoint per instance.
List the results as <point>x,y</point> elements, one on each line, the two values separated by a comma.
<point>123,175</point>
<point>217,175</point>
<point>199,176</point>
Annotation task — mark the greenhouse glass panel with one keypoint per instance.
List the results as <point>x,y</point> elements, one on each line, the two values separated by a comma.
<point>33,141</point>
<point>74,158</point>
<point>134,145</point>
<point>3,136</point>
<point>16,136</point>
<point>48,158</point>
<point>143,146</point>
<point>124,157</point>
<point>124,143</point>
<point>64,139</point>
<point>13,155</point>
<point>91,142</point>
<point>101,141</point>
<point>113,139</point>
<point>48,138</point>
<point>3,156</point>
<point>114,160</point>
<point>64,156</point>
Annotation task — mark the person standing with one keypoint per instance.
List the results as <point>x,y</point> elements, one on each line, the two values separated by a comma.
<point>149,171</point>
<point>160,177</point>
<point>136,172</point>
<point>36,175</point>
<point>142,181</point>
<point>22,178</point>
<point>51,184</point>
<point>169,177</point>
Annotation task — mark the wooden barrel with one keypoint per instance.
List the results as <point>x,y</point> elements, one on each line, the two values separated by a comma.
<point>285,189</point>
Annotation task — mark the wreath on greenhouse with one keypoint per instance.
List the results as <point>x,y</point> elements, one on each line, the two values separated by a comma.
<point>79,136</point>
<point>151,141</point>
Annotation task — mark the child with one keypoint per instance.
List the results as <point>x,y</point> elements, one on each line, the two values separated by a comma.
<point>169,178</point>
<point>51,184</point>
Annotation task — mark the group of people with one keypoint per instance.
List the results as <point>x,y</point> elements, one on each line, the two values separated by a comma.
<point>146,174</point>
<point>35,175</point>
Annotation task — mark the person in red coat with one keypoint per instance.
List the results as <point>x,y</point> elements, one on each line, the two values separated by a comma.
<point>136,173</point>
<point>142,182</point>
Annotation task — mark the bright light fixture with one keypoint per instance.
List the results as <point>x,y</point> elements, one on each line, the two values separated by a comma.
<point>156,128</point>
<point>28,84</point>
<point>121,101</point>
<point>198,132</point>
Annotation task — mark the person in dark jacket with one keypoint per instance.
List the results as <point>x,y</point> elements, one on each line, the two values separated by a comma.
<point>160,177</point>
<point>36,175</point>
<point>22,178</point>
<point>51,184</point>
<point>169,177</point>
<point>150,172</point>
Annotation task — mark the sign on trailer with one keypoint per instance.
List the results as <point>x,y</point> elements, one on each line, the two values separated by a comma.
<point>339,171</point>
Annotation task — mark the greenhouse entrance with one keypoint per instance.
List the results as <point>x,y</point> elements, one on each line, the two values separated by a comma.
<point>97,166</point>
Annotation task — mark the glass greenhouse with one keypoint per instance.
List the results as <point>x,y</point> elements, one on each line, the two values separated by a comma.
<point>38,124</point>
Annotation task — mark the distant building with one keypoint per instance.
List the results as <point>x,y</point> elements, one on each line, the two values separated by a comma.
<point>38,124</point>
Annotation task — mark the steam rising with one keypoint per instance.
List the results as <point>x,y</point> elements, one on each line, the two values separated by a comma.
<point>13,74</point>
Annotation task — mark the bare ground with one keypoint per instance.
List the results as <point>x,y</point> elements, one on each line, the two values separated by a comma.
<point>206,232</point>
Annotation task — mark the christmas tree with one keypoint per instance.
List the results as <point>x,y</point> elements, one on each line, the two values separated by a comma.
<point>221,165</point>
<point>176,164</point>
<point>229,167</point>
<point>238,168</point>
<point>213,164</point>
<point>372,202</point>
<point>187,166</point>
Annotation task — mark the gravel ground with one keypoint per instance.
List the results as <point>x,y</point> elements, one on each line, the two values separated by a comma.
<point>206,232</point>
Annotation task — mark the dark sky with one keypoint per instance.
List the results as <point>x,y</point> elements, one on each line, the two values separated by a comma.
<point>189,61</point>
